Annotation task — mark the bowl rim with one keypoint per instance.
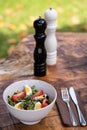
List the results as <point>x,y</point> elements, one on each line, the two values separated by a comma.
<point>30,110</point>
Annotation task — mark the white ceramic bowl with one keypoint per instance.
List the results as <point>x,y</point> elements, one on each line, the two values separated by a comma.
<point>30,116</point>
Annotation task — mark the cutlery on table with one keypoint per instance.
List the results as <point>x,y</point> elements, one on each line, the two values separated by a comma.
<point>65,97</point>
<point>74,98</point>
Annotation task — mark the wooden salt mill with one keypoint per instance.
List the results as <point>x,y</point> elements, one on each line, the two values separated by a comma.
<point>40,51</point>
<point>51,42</point>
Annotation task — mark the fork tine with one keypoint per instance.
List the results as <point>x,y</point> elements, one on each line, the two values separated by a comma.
<point>65,94</point>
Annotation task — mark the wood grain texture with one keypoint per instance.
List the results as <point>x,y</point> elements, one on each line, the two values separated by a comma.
<point>18,63</point>
<point>71,68</point>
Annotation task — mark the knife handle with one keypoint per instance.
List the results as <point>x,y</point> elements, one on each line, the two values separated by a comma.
<point>81,117</point>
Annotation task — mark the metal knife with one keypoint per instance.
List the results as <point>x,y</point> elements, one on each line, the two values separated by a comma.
<point>74,98</point>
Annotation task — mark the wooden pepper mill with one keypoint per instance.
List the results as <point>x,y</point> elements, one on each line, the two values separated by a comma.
<point>51,42</point>
<point>40,51</point>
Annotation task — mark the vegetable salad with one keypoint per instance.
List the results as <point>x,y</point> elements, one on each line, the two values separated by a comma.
<point>29,99</point>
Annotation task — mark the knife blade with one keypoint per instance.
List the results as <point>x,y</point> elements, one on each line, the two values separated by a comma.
<point>73,95</point>
<point>74,99</point>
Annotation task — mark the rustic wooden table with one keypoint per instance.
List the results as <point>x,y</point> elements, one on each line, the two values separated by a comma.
<point>71,67</point>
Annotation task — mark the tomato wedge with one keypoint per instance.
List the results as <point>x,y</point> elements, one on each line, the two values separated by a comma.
<point>17,96</point>
<point>45,102</point>
<point>39,93</point>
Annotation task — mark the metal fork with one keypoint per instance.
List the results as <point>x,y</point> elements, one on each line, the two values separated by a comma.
<point>65,97</point>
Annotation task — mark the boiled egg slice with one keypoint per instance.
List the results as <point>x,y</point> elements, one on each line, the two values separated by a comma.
<point>28,90</point>
<point>18,106</point>
<point>37,106</point>
<point>39,97</point>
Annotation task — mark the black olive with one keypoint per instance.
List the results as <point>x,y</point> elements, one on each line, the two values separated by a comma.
<point>25,106</point>
<point>46,96</point>
<point>40,101</point>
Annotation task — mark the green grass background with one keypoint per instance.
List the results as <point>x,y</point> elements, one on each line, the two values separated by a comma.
<point>17,17</point>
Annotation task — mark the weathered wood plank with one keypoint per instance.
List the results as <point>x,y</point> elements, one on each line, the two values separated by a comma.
<point>71,68</point>
<point>17,64</point>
